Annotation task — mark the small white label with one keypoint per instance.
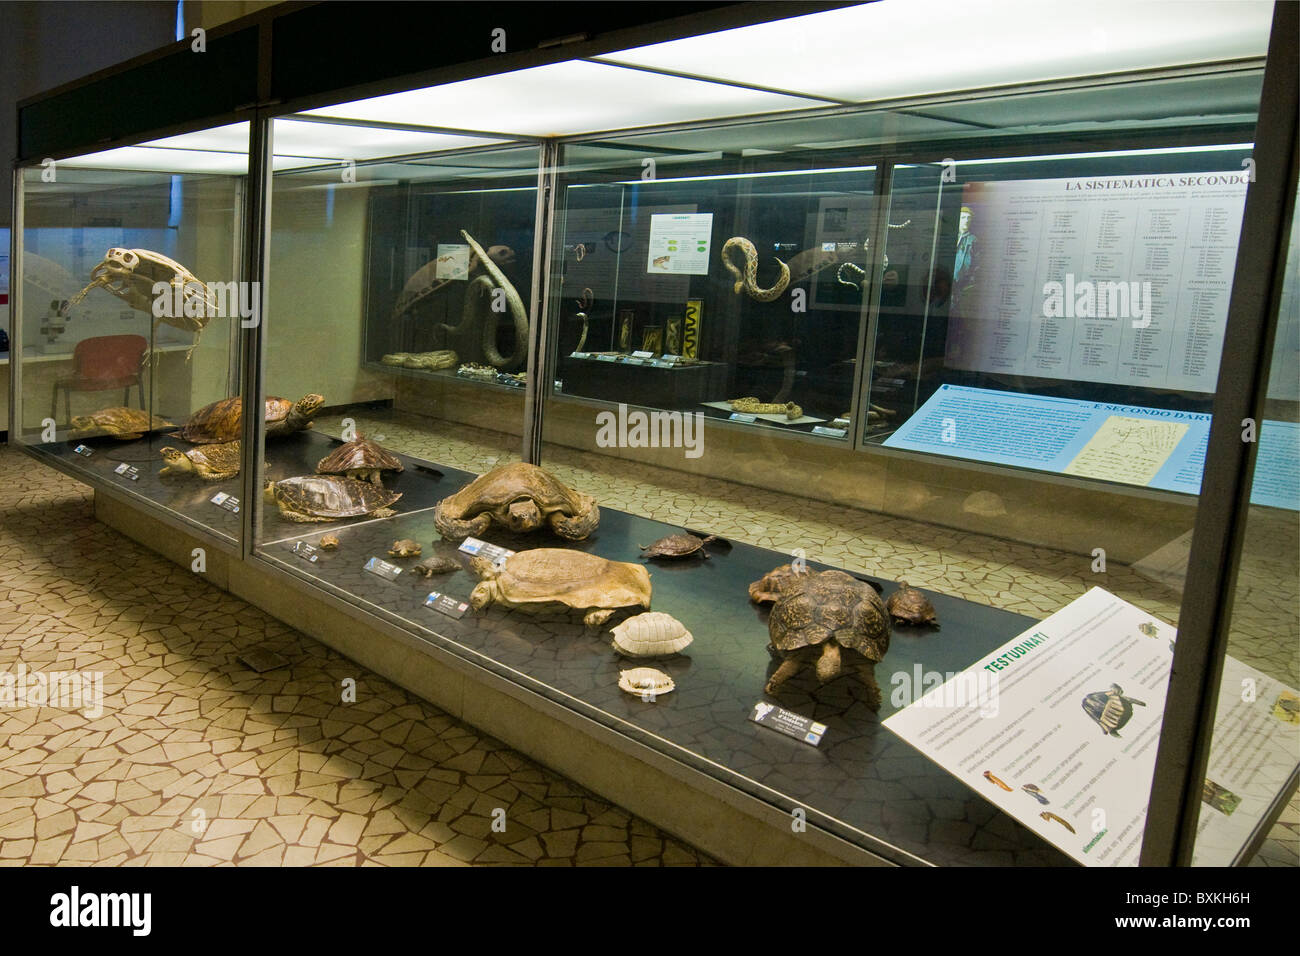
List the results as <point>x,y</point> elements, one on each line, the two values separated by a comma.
<point>493,552</point>
<point>445,604</point>
<point>83,450</point>
<point>670,359</point>
<point>745,417</point>
<point>229,502</point>
<point>306,551</point>
<point>580,355</point>
<point>829,432</point>
<point>606,358</point>
<point>643,355</point>
<point>634,361</point>
<point>382,568</point>
<point>128,471</point>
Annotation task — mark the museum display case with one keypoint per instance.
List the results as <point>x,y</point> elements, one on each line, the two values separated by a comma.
<point>127,309</point>
<point>734,415</point>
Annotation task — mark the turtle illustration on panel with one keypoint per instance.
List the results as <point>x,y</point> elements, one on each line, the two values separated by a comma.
<point>360,458</point>
<point>822,616</point>
<point>678,546</point>
<point>1110,709</point>
<point>328,497</point>
<point>545,578</point>
<point>520,497</point>
<point>222,421</point>
<point>907,605</point>
<point>211,463</point>
<point>126,424</point>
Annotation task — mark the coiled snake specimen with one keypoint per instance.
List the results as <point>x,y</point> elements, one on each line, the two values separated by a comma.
<point>749,281</point>
<point>478,316</point>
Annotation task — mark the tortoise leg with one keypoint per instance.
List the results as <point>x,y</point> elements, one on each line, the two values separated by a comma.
<point>575,527</point>
<point>828,665</point>
<point>454,529</point>
<point>789,667</point>
<point>866,670</point>
<point>376,477</point>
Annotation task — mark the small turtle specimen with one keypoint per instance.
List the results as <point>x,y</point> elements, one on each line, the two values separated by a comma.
<point>678,546</point>
<point>213,463</point>
<point>772,585</point>
<point>1110,709</point>
<point>545,578</point>
<point>221,421</point>
<point>329,542</point>
<point>360,458</point>
<point>643,681</point>
<point>404,548</point>
<point>819,617</point>
<point>520,497</point>
<point>126,424</point>
<point>328,497</point>
<point>907,605</point>
<point>653,634</point>
<point>435,564</point>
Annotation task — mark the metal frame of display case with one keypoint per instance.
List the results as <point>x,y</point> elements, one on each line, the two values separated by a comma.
<point>1207,603</point>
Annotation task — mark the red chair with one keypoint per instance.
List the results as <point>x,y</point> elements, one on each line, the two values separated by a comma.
<point>101,363</point>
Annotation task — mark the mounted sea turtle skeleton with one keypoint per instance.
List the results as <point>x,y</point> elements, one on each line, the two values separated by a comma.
<point>132,274</point>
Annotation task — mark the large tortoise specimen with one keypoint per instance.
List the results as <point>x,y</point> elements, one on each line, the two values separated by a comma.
<point>221,421</point>
<point>328,498</point>
<point>360,458</point>
<point>126,424</point>
<point>211,463</point>
<point>520,497</point>
<point>834,619</point>
<point>546,578</point>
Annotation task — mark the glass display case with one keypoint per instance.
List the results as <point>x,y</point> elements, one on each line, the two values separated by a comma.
<point>128,313</point>
<point>858,381</point>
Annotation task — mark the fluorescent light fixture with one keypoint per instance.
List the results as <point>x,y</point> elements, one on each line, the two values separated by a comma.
<point>344,141</point>
<point>152,159</point>
<point>564,99</point>
<point>1166,151</point>
<point>902,48</point>
<point>782,172</point>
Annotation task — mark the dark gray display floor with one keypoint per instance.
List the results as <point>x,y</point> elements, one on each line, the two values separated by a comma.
<point>863,783</point>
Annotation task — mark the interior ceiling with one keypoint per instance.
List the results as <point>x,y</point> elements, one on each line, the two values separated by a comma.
<point>870,52</point>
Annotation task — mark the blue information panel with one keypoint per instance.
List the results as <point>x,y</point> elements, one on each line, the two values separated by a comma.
<point>1153,447</point>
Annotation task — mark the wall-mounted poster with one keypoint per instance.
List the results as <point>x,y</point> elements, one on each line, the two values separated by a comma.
<point>679,243</point>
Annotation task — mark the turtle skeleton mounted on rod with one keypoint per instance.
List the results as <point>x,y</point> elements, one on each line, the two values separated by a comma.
<point>133,274</point>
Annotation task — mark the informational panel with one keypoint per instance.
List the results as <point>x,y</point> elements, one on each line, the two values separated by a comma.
<point>679,243</point>
<point>1059,728</point>
<point>1117,279</point>
<point>1152,447</point>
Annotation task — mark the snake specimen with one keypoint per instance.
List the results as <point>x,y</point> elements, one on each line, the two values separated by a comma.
<point>752,406</point>
<point>749,281</point>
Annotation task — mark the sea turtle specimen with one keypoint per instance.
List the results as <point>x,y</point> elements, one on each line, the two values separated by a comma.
<point>545,578</point>
<point>1110,709</point>
<point>520,497</point>
<point>907,605</point>
<point>653,634</point>
<point>678,546</point>
<point>328,497</point>
<point>212,463</point>
<point>404,548</point>
<point>829,612</point>
<point>770,587</point>
<point>121,422</point>
<point>360,458</point>
<point>220,421</point>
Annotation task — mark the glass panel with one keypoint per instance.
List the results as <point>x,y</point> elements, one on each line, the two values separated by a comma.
<point>406,281</point>
<point>130,306</point>
<point>1256,742</point>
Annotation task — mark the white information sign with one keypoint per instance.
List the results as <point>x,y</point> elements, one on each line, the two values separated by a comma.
<point>1118,279</point>
<point>679,243</point>
<point>1059,728</point>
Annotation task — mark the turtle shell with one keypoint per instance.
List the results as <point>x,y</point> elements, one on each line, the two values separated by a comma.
<point>831,605</point>
<point>501,486</point>
<point>653,634</point>
<point>677,546</point>
<point>121,422</point>
<point>907,605</point>
<point>222,457</point>
<point>333,497</point>
<point>573,578</point>
<point>645,680</point>
<point>221,421</point>
<point>358,453</point>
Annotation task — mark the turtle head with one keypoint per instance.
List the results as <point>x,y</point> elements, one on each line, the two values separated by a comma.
<point>523,515</point>
<point>484,593</point>
<point>175,458</point>
<point>309,405</point>
<point>268,490</point>
<point>82,423</point>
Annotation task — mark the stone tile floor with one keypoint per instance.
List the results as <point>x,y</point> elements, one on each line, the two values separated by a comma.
<point>196,760</point>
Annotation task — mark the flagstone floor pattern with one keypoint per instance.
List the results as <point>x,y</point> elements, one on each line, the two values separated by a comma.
<point>196,760</point>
